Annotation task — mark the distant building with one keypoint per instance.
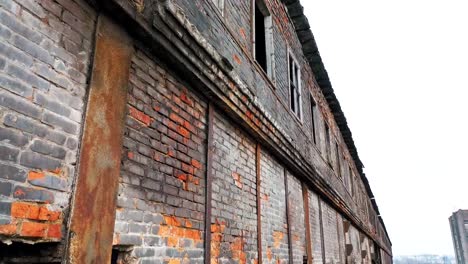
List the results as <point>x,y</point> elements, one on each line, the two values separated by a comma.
<point>424,259</point>
<point>459,227</point>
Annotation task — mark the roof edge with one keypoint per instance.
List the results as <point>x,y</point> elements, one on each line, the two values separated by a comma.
<point>312,54</point>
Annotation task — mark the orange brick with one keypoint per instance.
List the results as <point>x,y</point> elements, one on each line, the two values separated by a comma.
<point>31,229</point>
<point>182,177</point>
<point>8,229</point>
<point>186,99</point>
<point>55,231</point>
<point>183,132</point>
<point>34,212</point>
<point>187,168</point>
<point>196,164</point>
<point>177,231</point>
<point>188,126</point>
<point>172,241</point>
<point>174,261</point>
<point>32,175</point>
<point>46,214</point>
<point>171,220</point>
<point>140,116</point>
<point>20,210</point>
<point>237,59</point>
<point>193,234</point>
<point>164,231</point>
<point>116,239</point>
<point>176,118</point>
<point>188,224</point>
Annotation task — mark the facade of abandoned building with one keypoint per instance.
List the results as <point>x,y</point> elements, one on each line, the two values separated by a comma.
<point>459,227</point>
<point>175,131</point>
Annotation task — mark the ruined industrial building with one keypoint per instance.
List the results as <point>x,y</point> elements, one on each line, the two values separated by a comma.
<point>175,132</point>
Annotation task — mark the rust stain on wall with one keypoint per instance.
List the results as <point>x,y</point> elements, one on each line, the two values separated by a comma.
<point>93,214</point>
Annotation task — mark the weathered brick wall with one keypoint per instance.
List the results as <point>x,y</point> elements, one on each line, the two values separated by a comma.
<point>355,255</point>
<point>161,199</point>
<point>297,219</point>
<point>273,211</point>
<point>315,227</point>
<point>45,49</point>
<point>386,259</point>
<point>331,236</point>
<point>225,36</point>
<point>234,218</point>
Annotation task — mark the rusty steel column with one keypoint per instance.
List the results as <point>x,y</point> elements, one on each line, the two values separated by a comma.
<point>209,180</point>
<point>259,203</point>
<point>305,197</point>
<point>94,203</point>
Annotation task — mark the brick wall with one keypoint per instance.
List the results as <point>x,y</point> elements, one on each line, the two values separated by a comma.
<point>332,240</point>
<point>273,95</point>
<point>234,218</point>
<point>160,212</point>
<point>273,209</point>
<point>315,228</point>
<point>297,220</point>
<point>45,49</point>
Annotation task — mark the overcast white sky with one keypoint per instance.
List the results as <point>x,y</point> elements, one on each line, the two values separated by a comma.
<point>400,71</point>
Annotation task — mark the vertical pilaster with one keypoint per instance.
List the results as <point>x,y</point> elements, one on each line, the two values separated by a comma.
<point>94,203</point>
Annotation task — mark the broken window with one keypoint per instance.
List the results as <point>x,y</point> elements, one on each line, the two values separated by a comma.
<point>327,143</point>
<point>294,87</point>
<point>220,5</point>
<point>352,180</point>
<point>263,37</point>
<point>313,110</point>
<point>338,160</point>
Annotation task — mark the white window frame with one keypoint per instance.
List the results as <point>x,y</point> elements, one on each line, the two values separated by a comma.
<point>219,4</point>
<point>293,61</point>
<point>314,119</point>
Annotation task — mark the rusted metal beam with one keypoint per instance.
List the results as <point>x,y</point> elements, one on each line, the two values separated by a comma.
<point>288,216</point>
<point>209,180</point>
<point>94,203</point>
<point>258,156</point>
<point>305,197</point>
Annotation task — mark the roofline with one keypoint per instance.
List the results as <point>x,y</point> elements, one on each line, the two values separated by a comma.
<point>312,54</point>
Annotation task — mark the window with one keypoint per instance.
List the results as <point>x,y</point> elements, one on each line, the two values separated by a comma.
<point>352,180</point>
<point>294,87</point>
<point>263,37</point>
<point>327,143</point>
<point>220,5</point>
<point>338,160</point>
<point>313,110</point>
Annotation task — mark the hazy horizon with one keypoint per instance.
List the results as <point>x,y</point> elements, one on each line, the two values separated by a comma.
<point>398,70</point>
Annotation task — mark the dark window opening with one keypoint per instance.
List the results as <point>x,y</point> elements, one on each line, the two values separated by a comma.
<point>19,252</point>
<point>327,143</point>
<point>122,255</point>
<point>260,38</point>
<point>338,160</point>
<point>313,110</point>
<point>294,89</point>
